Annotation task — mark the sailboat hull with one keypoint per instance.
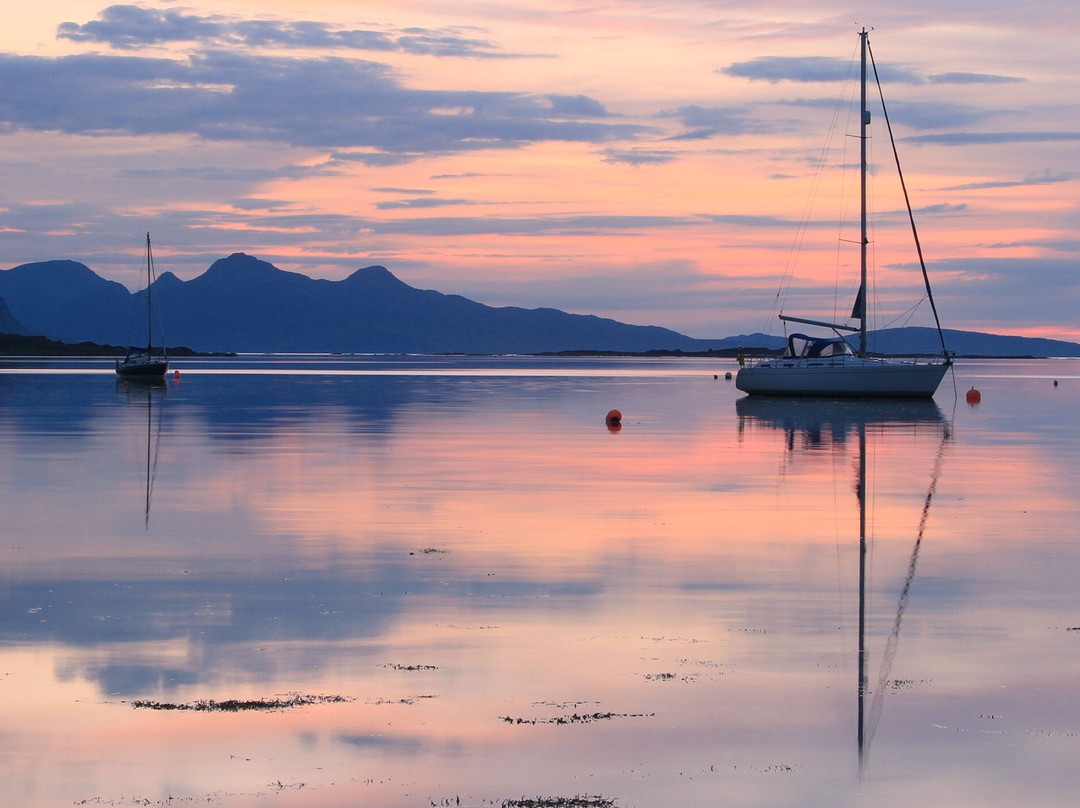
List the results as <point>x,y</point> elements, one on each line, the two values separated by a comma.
<point>142,367</point>
<point>842,377</point>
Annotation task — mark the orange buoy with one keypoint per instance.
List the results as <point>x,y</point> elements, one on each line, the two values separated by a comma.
<point>973,396</point>
<point>614,420</point>
<point>176,375</point>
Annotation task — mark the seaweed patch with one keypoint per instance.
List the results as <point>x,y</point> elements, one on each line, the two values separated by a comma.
<point>584,801</point>
<point>575,718</point>
<point>240,705</point>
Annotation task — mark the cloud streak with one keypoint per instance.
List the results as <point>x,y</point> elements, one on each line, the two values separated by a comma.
<point>127,27</point>
<point>1046,178</point>
<point>993,138</point>
<point>809,69</point>
<point>973,78</point>
<point>325,102</point>
<point>547,149</point>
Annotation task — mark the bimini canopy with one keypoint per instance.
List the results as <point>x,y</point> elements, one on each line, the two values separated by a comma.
<point>801,346</point>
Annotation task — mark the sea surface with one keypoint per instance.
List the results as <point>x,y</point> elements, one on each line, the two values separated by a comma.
<point>372,581</point>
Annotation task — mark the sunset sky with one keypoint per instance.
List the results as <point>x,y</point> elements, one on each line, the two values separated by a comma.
<point>638,159</point>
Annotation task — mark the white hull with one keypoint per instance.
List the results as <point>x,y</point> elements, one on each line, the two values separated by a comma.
<point>840,377</point>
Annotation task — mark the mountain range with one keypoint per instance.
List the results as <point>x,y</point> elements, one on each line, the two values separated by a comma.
<point>242,304</point>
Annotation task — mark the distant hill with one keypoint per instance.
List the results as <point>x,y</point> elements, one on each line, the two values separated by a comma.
<point>12,344</point>
<point>967,343</point>
<point>8,323</point>
<point>65,300</point>
<point>243,304</point>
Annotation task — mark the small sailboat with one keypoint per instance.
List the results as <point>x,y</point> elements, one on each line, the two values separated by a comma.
<point>145,362</point>
<point>830,366</point>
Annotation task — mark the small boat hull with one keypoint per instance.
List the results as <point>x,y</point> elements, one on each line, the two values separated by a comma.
<point>142,367</point>
<point>844,377</point>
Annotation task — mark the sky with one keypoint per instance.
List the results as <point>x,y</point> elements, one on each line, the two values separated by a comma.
<point>661,163</point>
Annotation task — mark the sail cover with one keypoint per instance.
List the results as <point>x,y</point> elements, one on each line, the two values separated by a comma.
<point>801,346</point>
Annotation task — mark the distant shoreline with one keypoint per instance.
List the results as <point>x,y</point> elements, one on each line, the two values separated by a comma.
<point>23,345</point>
<point>733,353</point>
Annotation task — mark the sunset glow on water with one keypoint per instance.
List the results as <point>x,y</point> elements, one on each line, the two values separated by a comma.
<point>512,600</point>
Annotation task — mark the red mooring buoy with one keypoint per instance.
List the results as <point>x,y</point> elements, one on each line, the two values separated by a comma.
<point>176,375</point>
<point>973,396</point>
<point>613,420</point>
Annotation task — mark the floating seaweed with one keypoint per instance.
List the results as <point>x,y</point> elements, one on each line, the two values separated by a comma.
<point>240,705</point>
<point>405,700</point>
<point>562,705</point>
<point>907,684</point>
<point>575,718</point>
<point>584,801</point>
<point>661,677</point>
<point>690,640</point>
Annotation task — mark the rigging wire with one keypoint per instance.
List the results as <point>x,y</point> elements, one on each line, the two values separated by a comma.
<point>804,219</point>
<point>873,293</point>
<point>892,643</point>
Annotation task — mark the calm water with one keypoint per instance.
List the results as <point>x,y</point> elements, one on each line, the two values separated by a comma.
<point>514,601</point>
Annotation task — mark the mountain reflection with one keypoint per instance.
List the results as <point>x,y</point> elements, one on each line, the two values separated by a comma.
<point>226,624</point>
<point>205,588</point>
<point>469,559</point>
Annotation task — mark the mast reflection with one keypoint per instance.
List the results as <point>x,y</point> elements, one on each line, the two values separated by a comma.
<point>138,391</point>
<point>820,424</point>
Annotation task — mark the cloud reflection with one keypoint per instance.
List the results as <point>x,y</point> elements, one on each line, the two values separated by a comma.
<point>446,549</point>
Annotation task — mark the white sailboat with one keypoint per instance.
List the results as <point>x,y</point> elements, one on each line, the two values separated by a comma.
<point>829,366</point>
<point>145,362</point>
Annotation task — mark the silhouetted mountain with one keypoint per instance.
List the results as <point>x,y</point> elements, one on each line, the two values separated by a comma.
<point>65,300</point>
<point>914,340</point>
<point>8,323</point>
<point>242,304</point>
<point>917,341</point>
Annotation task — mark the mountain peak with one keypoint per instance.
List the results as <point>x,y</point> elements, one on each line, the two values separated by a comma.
<point>375,270</point>
<point>376,277</point>
<point>63,269</point>
<point>240,263</point>
<point>243,270</point>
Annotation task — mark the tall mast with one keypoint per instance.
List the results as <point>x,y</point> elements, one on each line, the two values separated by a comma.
<point>149,283</point>
<point>865,121</point>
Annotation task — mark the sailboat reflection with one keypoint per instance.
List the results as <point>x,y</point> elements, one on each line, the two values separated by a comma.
<point>814,424</point>
<point>146,390</point>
